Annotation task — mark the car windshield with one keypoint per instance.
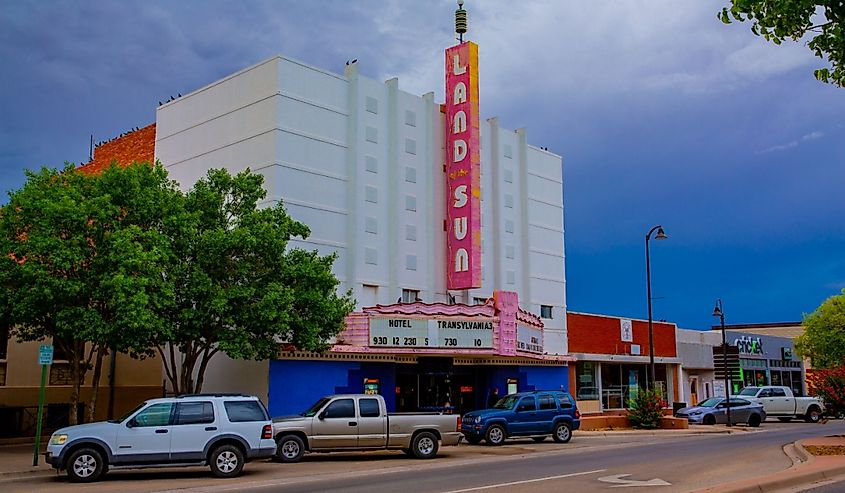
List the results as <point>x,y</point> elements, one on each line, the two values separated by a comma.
<point>749,391</point>
<point>311,411</point>
<point>506,402</point>
<point>711,402</point>
<point>130,413</point>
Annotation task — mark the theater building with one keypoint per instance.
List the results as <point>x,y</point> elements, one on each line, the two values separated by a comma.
<point>448,229</point>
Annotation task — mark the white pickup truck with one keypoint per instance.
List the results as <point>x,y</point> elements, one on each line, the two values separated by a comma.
<point>360,422</point>
<point>780,403</point>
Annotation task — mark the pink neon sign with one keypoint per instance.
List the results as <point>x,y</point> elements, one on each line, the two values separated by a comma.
<point>463,162</point>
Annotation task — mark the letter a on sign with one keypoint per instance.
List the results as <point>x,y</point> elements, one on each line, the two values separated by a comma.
<point>463,208</point>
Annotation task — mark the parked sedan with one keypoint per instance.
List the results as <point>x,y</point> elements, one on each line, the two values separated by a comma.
<point>714,410</point>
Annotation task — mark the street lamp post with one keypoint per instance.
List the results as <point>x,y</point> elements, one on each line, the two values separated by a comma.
<point>661,235</point>
<point>717,312</point>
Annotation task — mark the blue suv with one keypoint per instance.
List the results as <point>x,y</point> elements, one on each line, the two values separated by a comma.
<point>535,414</point>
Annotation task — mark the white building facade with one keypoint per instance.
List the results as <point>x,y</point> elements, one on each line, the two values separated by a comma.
<point>361,162</point>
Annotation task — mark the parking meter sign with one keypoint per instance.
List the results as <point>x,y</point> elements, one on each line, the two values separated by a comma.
<point>45,354</point>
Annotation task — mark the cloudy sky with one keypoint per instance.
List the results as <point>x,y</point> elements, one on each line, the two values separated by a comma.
<point>663,115</point>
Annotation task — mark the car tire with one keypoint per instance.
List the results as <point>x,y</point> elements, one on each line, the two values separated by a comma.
<point>85,465</point>
<point>495,435</point>
<point>813,415</point>
<point>538,439</point>
<point>472,440</point>
<point>754,420</point>
<point>289,448</point>
<point>424,445</point>
<point>562,432</point>
<point>784,419</point>
<point>226,461</point>
<point>709,420</point>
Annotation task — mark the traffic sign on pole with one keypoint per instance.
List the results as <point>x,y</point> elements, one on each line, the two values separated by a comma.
<point>45,358</point>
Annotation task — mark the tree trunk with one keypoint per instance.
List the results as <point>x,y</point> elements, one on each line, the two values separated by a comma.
<point>76,375</point>
<point>95,383</point>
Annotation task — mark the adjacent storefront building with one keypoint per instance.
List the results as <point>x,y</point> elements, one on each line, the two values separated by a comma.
<point>768,360</point>
<point>613,360</point>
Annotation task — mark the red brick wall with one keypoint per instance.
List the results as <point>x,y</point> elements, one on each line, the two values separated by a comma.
<point>137,146</point>
<point>595,334</point>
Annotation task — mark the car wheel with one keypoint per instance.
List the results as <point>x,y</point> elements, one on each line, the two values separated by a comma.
<point>538,439</point>
<point>472,440</point>
<point>226,461</point>
<point>424,445</point>
<point>784,419</point>
<point>754,420</point>
<point>562,432</point>
<point>813,415</point>
<point>289,448</point>
<point>85,465</point>
<point>495,435</point>
<point>709,420</point>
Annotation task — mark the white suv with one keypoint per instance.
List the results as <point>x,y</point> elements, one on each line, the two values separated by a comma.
<point>222,431</point>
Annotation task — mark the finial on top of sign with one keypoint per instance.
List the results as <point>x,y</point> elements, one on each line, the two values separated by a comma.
<point>460,21</point>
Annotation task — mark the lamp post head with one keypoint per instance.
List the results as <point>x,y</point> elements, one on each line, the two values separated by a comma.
<point>717,311</point>
<point>661,235</point>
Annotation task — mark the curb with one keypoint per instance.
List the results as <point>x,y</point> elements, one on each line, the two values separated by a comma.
<point>800,473</point>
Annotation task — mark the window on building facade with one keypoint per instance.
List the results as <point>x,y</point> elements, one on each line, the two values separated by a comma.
<point>508,151</point>
<point>411,262</point>
<point>410,295</point>
<point>509,201</point>
<point>372,105</point>
<point>410,174</point>
<point>369,295</point>
<point>508,176</point>
<point>508,226</point>
<point>371,225</point>
<point>479,301</point>
<point>372,164</point>
<point>410,203</point>
<point>372,135</point>
<point>410,146</point>
<point>510,251</point>
<point>371,256</point>
<point>545,311</point>
<point>586,381</point>
<point>510,277</point>
<point>410,118</point>
<point>410,232</point>
<point>371,194</point>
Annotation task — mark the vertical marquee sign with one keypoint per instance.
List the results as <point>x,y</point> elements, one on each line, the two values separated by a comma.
<point>463,162</point>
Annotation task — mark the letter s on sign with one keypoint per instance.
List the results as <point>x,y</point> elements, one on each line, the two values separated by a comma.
<point>460,195</point>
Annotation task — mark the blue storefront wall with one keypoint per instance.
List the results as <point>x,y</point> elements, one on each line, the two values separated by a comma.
<point>296,384</point>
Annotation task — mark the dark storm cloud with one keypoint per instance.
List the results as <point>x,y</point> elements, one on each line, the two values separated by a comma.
<point>662,115</point>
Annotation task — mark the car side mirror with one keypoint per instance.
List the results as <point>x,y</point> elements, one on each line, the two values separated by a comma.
<point>321,416</point>
<point>132,423</point>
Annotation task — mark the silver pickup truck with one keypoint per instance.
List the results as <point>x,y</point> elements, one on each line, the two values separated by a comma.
<point>360,422</point>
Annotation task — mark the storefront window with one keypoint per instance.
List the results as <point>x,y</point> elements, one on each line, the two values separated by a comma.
<point>621,382</point>
<point>587,387</point>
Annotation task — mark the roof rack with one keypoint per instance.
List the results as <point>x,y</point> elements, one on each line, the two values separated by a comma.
<point>213,394</point>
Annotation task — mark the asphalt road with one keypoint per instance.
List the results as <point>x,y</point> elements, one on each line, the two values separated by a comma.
<point>588,463</point>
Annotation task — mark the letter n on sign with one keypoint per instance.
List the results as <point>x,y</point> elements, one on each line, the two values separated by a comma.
<point>463,162</point>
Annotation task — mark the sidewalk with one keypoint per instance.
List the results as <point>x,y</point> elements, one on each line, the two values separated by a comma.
<point>814,459</point>
<point>16,460</point>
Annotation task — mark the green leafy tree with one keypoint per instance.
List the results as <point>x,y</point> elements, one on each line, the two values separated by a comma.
<point>239,287</point>
<point>777,20</point>
<point>823,340</point>
<point>82,264</point>
<point>646,409</point>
